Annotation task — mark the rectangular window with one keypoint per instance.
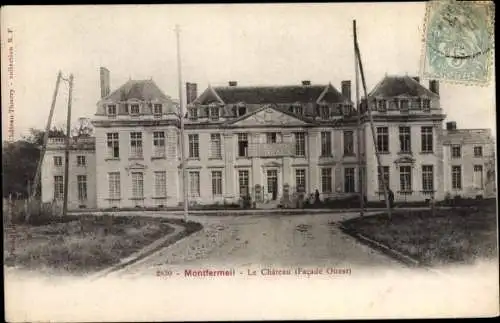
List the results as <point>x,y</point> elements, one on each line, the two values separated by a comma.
<point>326,180</point>
<point>272,180</point>
<point>81,161</point>
<point>300,144</point>
<point>404,139</point>
<point>161,184</point>
<point>193,113</point>
<point>82,187</point>
<point>325,112</point>
<point>136,145</point>
<point>243,181</point>
<point>216,183</point>
<point>111,110</point>
<point>242,145</point>
<point>385,179</point>
<point>157,109</point>
<point>427,178</point>
<point>348,142</point>
<point>427,144</point>
<point>456,151</point>
<point>214,113</point>
<point>159,144</point>
<point>137,185</point>
<point>404,105</point>
<point>58,187</point>
<point>215,146</point>
<point>326,143</point>
<point>300,179</point>
<point>58,161</point>
<point>478,176</point>
<point>113,145</point>
<point>383,139</point>
<point>478,151</point>
<point>114,185</point>
<point>349,186</point>
<point>134,109</point>
<point>456,177</point>
<point>271,137</point>
<point>194,184</point>
<point>382,105</point>
<point>426,105</point>
<point>405,178</point>
<point>194,146</point>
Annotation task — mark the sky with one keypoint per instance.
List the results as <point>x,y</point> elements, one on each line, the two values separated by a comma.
<point>253,44</point>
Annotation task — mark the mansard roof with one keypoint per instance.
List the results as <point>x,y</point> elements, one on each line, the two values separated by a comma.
<point>143,90</point>
<point>467,136</point>
<point>275,94</point>
<point>393,86</point>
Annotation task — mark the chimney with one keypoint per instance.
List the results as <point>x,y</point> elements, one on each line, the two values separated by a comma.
<point>191,92</point>
<point>306,82</point>
<point>233,83</point>
<point>416,78</point>
<point>346,89</point>
<point>452,125</point>
<point>105,86</point>
<point>434,86</point>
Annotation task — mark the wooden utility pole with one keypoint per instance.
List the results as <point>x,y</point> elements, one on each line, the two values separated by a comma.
<point>368,108</point>
<point>181,117</point>
<point>45,137</point>
<point>357,105</point>
<point>66,152</point>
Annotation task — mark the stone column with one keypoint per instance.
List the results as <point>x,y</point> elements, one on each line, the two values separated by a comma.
<point>256,172</point>
<point>229,170</point>
<point>314,150</point>
<point>287,160</point>
<point>174,185</point>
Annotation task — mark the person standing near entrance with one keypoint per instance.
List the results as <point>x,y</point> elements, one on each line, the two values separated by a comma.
<point>391,198</point>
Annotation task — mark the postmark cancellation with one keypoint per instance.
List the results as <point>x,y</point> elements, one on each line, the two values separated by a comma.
<point>458,42</point>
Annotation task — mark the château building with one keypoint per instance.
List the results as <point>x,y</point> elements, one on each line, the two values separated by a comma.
<point>267,141</point>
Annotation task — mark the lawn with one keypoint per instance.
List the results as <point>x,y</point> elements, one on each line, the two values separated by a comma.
<point>450,236</point>
<point>83,244</point>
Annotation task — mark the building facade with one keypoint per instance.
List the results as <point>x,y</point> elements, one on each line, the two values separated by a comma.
<point>265,141</point>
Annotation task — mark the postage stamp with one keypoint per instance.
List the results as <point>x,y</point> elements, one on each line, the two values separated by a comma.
<point>458,42</point>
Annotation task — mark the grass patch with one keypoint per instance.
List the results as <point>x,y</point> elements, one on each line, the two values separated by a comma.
<point>84,244</point>
<point>457,235</point>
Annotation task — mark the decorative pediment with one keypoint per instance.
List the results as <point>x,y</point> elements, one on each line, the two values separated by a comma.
<point>404,160</point>
<point>269,117</point>
<point>135,166</point>
<point>271,164</point>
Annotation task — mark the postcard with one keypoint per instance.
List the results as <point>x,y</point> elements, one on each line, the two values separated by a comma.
<point>210,162</point>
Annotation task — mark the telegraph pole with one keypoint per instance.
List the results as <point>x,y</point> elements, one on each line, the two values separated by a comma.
<point>368,108</point>
<point>181,116</point>
<point>45,137</point>
<point>66,152</point>
<point>357,105</point>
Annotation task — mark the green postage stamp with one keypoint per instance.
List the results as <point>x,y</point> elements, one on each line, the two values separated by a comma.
<point>458,41</point>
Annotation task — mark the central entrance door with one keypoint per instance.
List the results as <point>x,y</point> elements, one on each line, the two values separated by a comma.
<point>272,183</point>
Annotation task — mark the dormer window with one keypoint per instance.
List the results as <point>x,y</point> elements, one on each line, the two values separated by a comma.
<point>193,113</point>
<point>214,112</point>
<point>157,109</point>
<point>382,105</point>
<point>404,105</point>
<point>324,111</point>
<point>242,110</point>
<point>297,108</point>
<point>111,109</point>
<point>134,109</point>
<point>346,109</point>
<point>426,105</point>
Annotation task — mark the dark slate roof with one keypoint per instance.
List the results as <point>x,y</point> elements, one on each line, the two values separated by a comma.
<point>275,94</point>
<point>144,90</point>
<point>392,86</point>
<point>467,136</point>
